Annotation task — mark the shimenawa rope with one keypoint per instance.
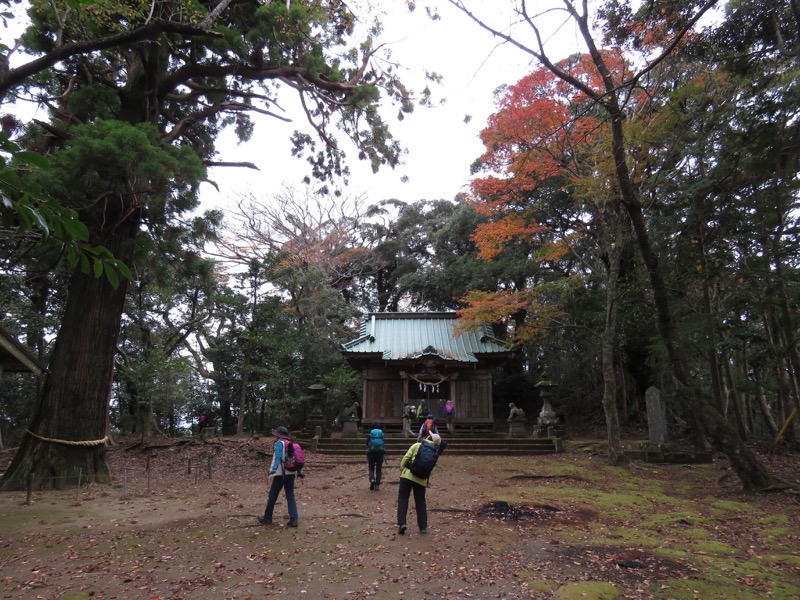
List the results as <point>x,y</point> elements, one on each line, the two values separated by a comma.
<point>68,442</point>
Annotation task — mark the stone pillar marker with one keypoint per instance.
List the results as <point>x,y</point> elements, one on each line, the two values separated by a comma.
<point>656,416</point>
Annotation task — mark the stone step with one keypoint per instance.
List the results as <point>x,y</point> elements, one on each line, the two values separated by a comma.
<point>493,446</point>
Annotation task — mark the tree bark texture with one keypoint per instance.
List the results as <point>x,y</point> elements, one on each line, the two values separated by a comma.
<point>74,401</point>
<point>243,395</point>
<point>616,455</point>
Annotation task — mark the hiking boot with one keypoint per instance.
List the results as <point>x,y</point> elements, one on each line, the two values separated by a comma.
<point>402,530</point>
<point>377,487</point>
<point>371,485</point>
<point>423,530</point>
<point>292,523</point>
<point>264,520</point>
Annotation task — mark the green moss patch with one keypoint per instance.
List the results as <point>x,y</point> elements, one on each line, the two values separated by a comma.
<point>588,590</point>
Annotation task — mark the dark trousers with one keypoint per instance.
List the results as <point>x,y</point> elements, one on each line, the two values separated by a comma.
<point>405,489</point>
<point>279,483</point>
<point>375,462</point>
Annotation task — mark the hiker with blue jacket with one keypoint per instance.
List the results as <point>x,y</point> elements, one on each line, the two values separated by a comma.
<point>415,469</point>
<point>280,477</point>
<point>376,454</point>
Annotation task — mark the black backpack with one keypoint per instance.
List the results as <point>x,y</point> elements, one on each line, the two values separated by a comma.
<point>424,461</point>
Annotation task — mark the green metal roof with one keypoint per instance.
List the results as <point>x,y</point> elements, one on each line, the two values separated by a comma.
<point>399,336</point>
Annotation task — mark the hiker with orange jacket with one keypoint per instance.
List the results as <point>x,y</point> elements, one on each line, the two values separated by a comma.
<point>428,426</point>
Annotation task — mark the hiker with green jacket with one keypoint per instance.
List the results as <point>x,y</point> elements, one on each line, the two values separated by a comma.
<point>415,469</point>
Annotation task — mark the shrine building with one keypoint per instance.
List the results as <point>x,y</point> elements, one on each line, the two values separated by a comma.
<point>409,357</point>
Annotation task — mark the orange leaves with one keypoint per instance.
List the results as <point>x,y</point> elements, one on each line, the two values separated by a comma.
<point>543,124</point>
<point>496,307</point>
<point>548,139</point>
<point>540,133</point>
<point>491,307</point>
<point>492,237</point>
<point>527,136</point>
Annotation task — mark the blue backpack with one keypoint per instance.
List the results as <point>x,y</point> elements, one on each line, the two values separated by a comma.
<point>376,440</point>
<point>424,461</point>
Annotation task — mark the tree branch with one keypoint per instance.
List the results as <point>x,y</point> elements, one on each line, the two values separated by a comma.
<point>149,31</point>
<point>211,163</point>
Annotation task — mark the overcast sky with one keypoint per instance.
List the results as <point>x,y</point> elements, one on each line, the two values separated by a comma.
<point>441,146</point>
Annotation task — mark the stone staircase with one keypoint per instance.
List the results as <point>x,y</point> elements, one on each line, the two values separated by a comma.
<point>456,445</point>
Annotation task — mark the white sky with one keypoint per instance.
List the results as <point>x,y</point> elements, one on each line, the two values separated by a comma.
<point>441,146</point>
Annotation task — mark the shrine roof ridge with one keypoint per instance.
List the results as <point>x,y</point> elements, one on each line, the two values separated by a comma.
<point>410,336</point>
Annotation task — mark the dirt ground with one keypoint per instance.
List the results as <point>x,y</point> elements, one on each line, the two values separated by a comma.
<point>561,526</point>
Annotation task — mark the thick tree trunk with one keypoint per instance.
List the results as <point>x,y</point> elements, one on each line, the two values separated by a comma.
<point>720,398</point>
<point>69,425</point>
<point>616,455</point>
<point>735,401</point>
<point>243,395</point>
<point>769,419</point>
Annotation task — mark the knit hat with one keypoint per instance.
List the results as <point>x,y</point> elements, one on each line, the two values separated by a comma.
<point>436,439</point>
<point>281,432</point>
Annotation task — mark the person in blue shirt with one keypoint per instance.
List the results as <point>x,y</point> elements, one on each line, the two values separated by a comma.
<point>376,455</point>
<point>280,478</point>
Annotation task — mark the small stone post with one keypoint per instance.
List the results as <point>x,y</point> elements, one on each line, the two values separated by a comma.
<point>656,416</point>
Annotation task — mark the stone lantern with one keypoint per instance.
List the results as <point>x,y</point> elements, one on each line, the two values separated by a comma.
<point>548,424</point>
<point>316,419</point>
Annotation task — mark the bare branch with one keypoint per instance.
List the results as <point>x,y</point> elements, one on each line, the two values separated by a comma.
<point>212,16</point>
<point>184,124</point>
<point>670,48</point>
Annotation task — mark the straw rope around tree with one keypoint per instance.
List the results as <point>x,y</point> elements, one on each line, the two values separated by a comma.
<point>68,442</point>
